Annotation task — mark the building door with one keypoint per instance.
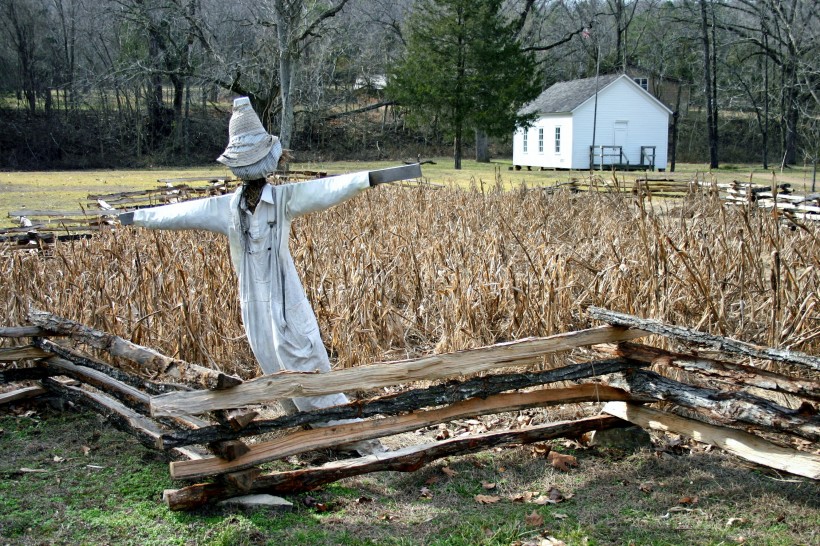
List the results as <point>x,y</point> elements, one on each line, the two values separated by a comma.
<point>619,138</point>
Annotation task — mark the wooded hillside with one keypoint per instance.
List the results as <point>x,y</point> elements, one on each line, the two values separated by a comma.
<point>150,82</point>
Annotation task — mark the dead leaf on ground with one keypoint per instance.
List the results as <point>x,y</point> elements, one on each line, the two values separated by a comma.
<point>560,461</point>
<point>58,459</point>
<point>560,516</point>
<point>647,487</point>
<point>86,450</point>
<point>688,500</point>
<point>443,434</point>
<point>449,471</point>
<point>553,496</point>
<point>487,485</point>
<point>425,493</point>
<point>534,519</point>
<point>541,450</point>
<point>486,499</point>
<point>432,480</point>
<point>732,522</point>
<point>526,496</point>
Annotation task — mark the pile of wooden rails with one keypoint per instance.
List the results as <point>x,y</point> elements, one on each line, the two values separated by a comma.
<point>724,393</point>
<point>40,229</point>
<point>776,196</point>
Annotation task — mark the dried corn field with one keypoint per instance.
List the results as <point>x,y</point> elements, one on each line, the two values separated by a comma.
<point>405,271</point>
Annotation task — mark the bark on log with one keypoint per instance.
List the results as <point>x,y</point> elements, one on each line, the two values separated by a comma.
<point>136,400</point>
<point>717,342</point>
<point>13,375</point>
<point>24,331</point>
<point>328,437</point>
<point>408,459</point>
<point>288,385</point>
<point>411,400</point>
<point>133,398</point>
<point>120,416</point>
<point>726,408</point>
<point>137,382</point>
<point>21,394</point>
<point>152,360</point>
<point>739,443</point>
<point>11,354</point>
<point>728,372</point>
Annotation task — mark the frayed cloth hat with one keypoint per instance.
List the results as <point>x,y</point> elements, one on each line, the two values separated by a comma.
<point>248,142</point>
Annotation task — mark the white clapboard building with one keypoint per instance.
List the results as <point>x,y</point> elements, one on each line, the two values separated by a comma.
<point>631,127</point>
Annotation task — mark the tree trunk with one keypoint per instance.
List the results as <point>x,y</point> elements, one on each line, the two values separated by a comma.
<point>707,88</point>
<point>673,148</point>
<point>482,150</point>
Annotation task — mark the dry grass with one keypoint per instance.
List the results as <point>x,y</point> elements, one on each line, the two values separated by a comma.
<point>398,272</point>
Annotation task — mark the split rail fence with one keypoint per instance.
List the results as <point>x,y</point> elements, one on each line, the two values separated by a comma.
<point>727,399</point>
<point>774,196</point>
<point>42,228</point>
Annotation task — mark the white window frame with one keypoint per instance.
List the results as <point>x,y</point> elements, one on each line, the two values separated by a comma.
<point>524,146</point>
<point>642,82</point>
<point>540,140</point>
<point>558,139</point>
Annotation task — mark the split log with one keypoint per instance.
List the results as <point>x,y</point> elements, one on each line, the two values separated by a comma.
<point>126,394</point>
<point>726,408</point>
<point>373,376</point>
<point>136,400</point>
<point>411,400</point>
<point>332,436</point>
<point>24,331</point>
<point>150,387</point>
<point>28,352</point>
<point>154,361</point>
<point>693,336</point>
<point>742,444</point>
<point>14,375</point>
<point>728,372</point>
<point>120,416</point>
<point>408,459</point>
<point>21,394</point>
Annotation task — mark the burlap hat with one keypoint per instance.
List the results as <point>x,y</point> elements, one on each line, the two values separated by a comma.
<point>248,142</point>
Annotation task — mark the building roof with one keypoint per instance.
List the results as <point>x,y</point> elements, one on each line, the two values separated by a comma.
<point>567,96</point>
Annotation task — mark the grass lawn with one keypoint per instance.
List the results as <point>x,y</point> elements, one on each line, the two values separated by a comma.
<point>68,190</point>
<point>94,485</point>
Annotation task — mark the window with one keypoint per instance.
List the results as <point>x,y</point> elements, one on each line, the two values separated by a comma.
<point>643,82</point>
<point>526,133</point>
<point>540,140</point>
<point>557,140</point>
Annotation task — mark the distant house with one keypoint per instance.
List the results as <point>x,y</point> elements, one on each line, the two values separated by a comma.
<point>631,127</point>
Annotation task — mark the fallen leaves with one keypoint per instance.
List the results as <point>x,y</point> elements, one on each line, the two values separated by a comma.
<point>534,519</point>
<point>561,462</point>
<point>552,496</point>
<point>487,499</point>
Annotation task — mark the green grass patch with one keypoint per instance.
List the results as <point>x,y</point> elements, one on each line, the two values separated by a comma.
<point>612,499</point>
<point>68,190</point>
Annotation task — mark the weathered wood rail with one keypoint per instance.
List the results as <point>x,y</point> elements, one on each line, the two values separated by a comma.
<point>40,229</point>
<point>725,401</point>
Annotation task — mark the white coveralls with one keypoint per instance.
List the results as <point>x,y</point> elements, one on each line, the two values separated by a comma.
<point>279,321</point>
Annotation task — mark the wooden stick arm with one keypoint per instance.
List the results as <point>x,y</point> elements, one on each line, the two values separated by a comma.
<point>394,174</point>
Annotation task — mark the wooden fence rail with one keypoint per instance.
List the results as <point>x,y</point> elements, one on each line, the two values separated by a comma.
<point>436,389</point>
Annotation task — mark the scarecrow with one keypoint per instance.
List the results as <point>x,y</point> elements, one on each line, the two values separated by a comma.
<point>280,324</point>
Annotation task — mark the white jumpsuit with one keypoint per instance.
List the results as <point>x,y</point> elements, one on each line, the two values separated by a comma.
<point>279,321</point>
